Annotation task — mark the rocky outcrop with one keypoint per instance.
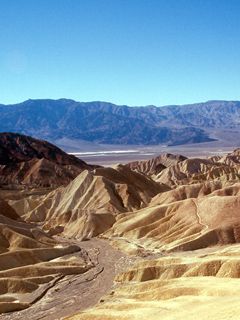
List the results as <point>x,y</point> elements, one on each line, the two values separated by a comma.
<point>28,161</point>
<point>157,164</point>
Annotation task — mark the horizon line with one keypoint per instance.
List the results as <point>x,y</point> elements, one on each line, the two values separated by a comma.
<point>119,105</point>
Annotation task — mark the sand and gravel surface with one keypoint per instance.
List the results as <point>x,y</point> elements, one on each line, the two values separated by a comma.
<point>73,293</point>
<point>202,284</point>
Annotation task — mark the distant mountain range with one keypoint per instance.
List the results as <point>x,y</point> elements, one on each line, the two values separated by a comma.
<point>106,123</point>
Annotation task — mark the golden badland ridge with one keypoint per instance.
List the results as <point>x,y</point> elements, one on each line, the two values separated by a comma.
<point>177,217</point>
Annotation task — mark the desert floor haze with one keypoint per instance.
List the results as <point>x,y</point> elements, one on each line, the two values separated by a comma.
<point>146,239</point>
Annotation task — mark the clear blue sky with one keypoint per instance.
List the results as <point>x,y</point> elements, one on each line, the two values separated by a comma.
<point>135,52</point>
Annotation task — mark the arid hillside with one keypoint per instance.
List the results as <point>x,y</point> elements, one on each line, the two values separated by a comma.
<point>203,284</point>
<point>148,240</point>
<point>31,262</point>
<point>89,205</point>
<point>187,238</point>
<point>35,163</point>
<point>156,165</point>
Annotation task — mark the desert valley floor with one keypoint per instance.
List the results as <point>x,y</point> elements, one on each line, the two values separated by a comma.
<point>149,239</point>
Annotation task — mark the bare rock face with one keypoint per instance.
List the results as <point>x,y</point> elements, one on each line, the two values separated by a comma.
<point>181,226</point>
<point>157,164</point>
<point>191,171</point>
<point>175,287</point>
<point>31,261</point>
<point>89,204</point>
<point>200,210</point>
<point>28,161</point>
<point>200,216</point>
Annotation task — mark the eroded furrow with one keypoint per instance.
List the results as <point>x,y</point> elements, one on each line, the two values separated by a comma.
<point>75,293</point>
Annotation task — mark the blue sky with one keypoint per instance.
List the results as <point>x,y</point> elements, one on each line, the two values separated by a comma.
<point>134,52</point>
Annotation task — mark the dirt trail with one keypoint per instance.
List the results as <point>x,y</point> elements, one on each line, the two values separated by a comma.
<point>77,292</point>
